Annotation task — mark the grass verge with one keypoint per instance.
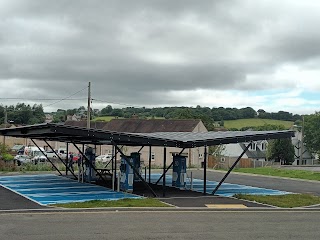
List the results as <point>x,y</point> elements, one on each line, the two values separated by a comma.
<point>277,172</point>
<point>145,202</point>
<point>283,201</point>
<point>255,122</point>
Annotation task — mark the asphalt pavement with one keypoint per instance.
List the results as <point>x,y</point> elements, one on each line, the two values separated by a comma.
<point>10,200</point>
<point>161,225</point>
<point>289,185</point>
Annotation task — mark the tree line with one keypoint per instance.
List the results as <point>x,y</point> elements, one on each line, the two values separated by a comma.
<point>22,114</point>
<point>216,114</point>
<point>26,114</point>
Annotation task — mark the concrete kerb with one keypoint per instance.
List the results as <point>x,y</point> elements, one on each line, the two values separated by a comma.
<point>150,209</point>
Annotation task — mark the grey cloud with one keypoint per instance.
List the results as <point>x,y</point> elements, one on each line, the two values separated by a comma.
<point>109,43</point>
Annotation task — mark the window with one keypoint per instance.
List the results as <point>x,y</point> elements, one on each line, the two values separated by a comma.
<point>200,155</point>
<point>263,146</point>
<point>253,146</point>
<point>153,156</point>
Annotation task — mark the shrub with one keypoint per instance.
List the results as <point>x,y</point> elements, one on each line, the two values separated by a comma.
<point>7,157</point>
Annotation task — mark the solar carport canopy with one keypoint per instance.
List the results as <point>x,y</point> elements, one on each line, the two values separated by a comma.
<point>78,135</point>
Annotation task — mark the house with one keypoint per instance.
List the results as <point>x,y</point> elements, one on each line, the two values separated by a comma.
<point>256,152</point>
<point>194,156</point>
<point>49,118</point>
<point>307,157</point>
<point>73,117</point>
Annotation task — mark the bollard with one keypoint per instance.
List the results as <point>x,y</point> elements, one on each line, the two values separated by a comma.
<point>191,184</point>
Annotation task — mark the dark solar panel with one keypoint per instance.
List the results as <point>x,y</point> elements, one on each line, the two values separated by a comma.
<point>65,133</point>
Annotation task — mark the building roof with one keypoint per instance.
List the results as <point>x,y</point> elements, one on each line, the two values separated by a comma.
<point>83,124</point>
<point>151,125</point>
<point>63,133</point>
<point>257,154</point>
<point>141,125</point>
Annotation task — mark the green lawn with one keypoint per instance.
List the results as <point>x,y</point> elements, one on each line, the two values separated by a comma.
<point>284,201</point>
<point>279,172</point>
<point>145,202</point>
<point>105,118</point>
<point>255,122</point>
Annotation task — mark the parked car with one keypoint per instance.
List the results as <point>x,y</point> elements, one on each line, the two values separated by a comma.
<point>39,158</point>
<point>103,158</point>
<point>51,154</point>
<point>22,159</point>
<point>62,153</point>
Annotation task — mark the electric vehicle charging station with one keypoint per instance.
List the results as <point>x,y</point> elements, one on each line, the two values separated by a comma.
<point>90,164</point>
<point>179,171</point>
<point>136,164</point>
<point>128,176</point>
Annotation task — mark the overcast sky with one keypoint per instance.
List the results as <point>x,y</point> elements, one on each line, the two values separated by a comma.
<point>262,54</point>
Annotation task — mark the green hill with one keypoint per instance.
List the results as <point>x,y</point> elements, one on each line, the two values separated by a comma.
<point>255,122</point>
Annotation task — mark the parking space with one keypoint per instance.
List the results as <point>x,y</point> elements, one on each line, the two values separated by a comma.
<point>226,189</point>
<point>51,189</point>
<point>36,191</point>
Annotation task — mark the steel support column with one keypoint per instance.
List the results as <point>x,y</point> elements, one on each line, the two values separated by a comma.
<point>232,167</point>
<point>164,172</point>
<point>115,169</point>
<point>46,157</point>
<point>67,158</point>
<point>150,164</point>
<point>66,165</point>
<point>140,149</point>
<point>205,171</point>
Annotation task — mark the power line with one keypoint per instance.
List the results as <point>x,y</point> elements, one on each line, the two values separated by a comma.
<point>63,99</point>
<point>124,104</point>
<point>42,99</point>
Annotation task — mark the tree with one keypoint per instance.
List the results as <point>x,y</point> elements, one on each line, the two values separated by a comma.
<point>216,150</point>
<point>248,112</point>
<point>311,129</point>
<point>4,153</point>
<point>106,111</point>
<point>281,150</point>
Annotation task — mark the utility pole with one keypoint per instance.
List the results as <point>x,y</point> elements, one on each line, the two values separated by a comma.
<point>5,123</point>
<point>5,116</point>
<point>89,105</point>
<point>301,148</point>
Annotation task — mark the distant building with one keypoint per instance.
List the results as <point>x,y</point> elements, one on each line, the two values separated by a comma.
<point>49,118</point>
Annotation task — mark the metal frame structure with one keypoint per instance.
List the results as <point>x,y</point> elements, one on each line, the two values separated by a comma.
<point>183,140</point>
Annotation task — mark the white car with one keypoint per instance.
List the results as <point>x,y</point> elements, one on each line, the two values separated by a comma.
<point>39,158</point>
<point>103,158</point>
<point>22,159</point>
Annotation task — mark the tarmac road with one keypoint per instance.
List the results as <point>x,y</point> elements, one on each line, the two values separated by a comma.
<point>290,185</point>
<point>161,225</point>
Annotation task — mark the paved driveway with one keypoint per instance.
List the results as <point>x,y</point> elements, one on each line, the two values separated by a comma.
<point>290,185</point>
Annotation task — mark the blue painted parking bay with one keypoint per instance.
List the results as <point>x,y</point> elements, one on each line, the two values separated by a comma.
<point>51,189</point>
<point>226,189</point>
